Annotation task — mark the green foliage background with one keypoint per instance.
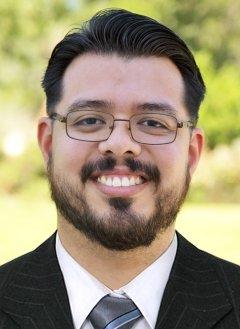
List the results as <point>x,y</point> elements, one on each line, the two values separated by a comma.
<point>30,30</point>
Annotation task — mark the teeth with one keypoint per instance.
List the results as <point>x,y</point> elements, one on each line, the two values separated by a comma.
<point>109,181</point>
<point>125,181</point>
<point>132,181</point>
<point>117,181</point>
<point>103,179</point>
<point>138,180</point>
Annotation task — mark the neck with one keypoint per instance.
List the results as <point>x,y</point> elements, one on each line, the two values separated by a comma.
<point>113,268</point>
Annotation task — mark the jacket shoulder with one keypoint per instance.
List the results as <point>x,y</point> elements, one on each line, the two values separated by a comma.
<point>8,269</point>
<point>229,277</point>
<point>228,272</point>
<point>187,248</point>
<point>225,267</point>
<point>40,255</point>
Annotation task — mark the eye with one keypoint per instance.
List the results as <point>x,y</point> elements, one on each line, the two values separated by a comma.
<point>90,121</point>
<point>153,124</point>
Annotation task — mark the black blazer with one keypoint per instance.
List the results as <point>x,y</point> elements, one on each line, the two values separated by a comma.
<point>202,292</point>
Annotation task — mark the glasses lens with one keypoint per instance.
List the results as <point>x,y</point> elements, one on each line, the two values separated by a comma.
<point>89,125</point>
<point>154,128</point>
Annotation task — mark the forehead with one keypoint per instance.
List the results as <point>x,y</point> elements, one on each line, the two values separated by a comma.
<point>125,83</point>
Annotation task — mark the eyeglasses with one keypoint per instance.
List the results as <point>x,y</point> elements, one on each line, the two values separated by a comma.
<point>96,126</point>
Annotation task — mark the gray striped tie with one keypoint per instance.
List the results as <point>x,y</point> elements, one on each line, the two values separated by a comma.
<point>113,312</point>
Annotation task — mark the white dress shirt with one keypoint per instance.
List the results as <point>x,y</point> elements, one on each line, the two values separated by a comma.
<point>145,290</point>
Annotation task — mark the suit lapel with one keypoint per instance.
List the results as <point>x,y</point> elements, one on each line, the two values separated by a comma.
<point>194,297</point>
<point>37,297</point>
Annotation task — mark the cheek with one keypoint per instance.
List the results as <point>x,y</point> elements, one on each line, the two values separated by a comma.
<point>70,155</point>
<point>172,160</point>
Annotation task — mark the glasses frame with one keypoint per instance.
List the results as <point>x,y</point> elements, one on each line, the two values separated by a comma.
<point>179,124</point>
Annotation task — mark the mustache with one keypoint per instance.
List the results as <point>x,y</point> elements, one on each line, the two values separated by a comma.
<point>108,163</point>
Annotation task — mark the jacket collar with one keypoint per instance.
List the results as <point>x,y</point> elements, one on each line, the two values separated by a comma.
<point>36,296</point>
<point>194,296</point>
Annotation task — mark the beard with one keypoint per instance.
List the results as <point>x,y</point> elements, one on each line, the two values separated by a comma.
<point>123,229</point>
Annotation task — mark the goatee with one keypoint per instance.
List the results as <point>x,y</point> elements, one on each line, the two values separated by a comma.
<point>123,228</point>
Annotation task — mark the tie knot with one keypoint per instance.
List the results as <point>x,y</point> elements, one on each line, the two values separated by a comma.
<point>113,312</point>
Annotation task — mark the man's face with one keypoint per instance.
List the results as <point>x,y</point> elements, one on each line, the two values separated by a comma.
<point>122,217</point>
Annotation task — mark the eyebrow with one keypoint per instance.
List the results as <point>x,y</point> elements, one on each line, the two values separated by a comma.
<point>96,104</point>
<point>164,108</point>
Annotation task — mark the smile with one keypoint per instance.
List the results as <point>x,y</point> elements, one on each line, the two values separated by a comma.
<point>118,181</point>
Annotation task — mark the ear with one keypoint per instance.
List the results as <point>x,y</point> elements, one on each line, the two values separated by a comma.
<point>195,149</point>
<point>45,137</point>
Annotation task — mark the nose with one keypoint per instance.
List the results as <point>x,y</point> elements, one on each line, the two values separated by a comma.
<point>120,141</point>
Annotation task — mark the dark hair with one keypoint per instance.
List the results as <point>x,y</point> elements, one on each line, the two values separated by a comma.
<point>126,34</point>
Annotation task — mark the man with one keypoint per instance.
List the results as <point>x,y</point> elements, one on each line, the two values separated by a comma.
<point>120,145</point>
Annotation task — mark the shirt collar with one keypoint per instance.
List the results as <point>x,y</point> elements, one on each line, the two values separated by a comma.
<point>80,285</point>
<point>145,290</point>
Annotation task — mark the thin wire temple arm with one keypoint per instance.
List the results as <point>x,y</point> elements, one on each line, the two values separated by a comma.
<point>186,124</point>
<point>59,117</point>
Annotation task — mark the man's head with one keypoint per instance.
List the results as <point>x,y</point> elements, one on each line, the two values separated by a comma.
<point>127,35</point>
<point>121,66</point>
